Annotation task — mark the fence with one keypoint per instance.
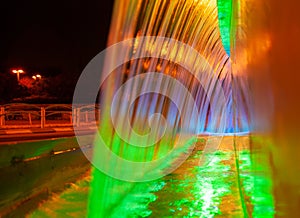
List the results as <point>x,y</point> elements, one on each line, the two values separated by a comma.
<point>41,116</point>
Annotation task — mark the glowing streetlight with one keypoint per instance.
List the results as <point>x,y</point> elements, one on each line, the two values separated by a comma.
<point>37,76</point>
<point>18,73</point>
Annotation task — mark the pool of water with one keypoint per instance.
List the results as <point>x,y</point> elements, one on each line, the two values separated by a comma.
<point>228,184</point>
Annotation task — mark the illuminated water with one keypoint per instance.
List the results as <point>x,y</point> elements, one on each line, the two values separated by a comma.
<point>237,181</point>
<point>153,120</point>
<point>209,190</point>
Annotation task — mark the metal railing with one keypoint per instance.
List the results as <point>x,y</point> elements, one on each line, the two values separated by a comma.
<point>53,115</point>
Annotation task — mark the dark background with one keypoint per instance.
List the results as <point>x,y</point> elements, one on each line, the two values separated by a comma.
<point>54,38</point>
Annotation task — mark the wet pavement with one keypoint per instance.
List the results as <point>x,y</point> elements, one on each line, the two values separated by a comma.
<point>227,184</point>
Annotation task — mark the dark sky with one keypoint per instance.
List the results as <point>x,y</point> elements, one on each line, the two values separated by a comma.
<point>53,34</point>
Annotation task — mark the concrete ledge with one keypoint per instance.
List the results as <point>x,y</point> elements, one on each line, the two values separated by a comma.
<point>31,170</point>
<point>39,130</point>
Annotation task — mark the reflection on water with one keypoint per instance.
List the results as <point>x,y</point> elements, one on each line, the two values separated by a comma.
<point>71,203</point>
<point>215,189</point>
<point>198,191</point>
<point>257,184</point>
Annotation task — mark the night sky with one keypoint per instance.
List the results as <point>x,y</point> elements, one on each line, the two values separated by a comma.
<point>52,36</point>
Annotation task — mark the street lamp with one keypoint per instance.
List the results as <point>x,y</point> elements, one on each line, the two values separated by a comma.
<point>37,76</point>
<point>18,73</point>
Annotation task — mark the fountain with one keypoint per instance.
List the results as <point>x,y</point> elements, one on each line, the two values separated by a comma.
<point>176,114</point>
<point>166,80</point>
<point>199,118</point>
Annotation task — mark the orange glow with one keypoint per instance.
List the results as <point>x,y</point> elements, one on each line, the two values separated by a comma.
<point>18,73</point>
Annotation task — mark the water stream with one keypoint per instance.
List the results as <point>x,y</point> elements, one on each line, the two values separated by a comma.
<point>171,81</point>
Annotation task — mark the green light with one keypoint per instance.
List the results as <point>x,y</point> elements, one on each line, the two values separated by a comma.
<point>224,14</point>
<point>208,190</point>
<point>198,190</point>
<point>109,195</point>
<point>257,183</point>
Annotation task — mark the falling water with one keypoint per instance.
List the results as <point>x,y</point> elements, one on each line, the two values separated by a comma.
<point>212,96</point>
<point>186,47</point>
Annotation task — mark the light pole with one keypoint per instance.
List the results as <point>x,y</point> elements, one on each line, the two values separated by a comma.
<point>18,73</point>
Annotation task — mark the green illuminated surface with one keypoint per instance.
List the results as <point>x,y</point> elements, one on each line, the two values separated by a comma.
<point>210,190</point>
<point>225,13</point>
<point>257,186</point>
<point>107,193</point>
<point>200,191</point>
<point>71,203</point>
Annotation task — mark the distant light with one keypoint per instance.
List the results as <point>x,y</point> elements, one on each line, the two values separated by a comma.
<point>34,77</point>
<point>18,73</point>
<point>38,76</point>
